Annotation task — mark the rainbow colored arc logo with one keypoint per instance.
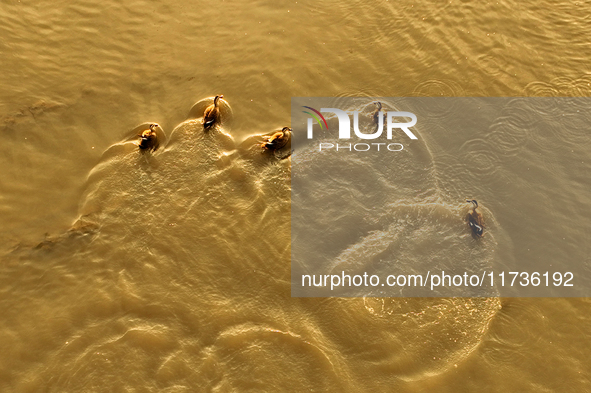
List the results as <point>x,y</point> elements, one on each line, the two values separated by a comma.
<point>316,117</point>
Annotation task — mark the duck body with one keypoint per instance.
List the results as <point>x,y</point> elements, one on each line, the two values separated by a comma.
<point>475,219</point>
<point>212,113</point>
<point>277,140</point>
<point>149,139</point>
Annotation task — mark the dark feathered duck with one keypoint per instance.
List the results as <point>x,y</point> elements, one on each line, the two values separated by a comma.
<point>212,113</point>
<point>475,219</point>
<point>376,113</point>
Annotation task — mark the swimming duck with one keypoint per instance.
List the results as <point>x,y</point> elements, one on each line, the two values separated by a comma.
<point>277,140</point>
<point>376,113</point>
<point>475,219</point>
<point>212,113</point>
<point>149,141</point>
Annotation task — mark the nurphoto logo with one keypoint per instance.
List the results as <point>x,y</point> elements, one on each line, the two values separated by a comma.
<point>344,122</point>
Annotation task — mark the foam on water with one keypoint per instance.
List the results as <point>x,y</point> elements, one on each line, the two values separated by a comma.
<point>385,213</point>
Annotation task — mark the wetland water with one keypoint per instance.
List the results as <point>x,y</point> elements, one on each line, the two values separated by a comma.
<point>171,272</point>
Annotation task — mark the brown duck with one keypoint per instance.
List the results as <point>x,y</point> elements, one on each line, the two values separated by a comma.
<point>212,113</point>
<point>149,139</point>
<point>475,219</point>
<point>277,140</point>
<point>376,113</point>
